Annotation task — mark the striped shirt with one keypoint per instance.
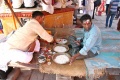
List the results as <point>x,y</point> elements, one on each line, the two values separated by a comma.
<point>119,4</point>
<point>114,5</point>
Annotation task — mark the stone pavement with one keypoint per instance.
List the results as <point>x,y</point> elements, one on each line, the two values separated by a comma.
<point>100,22</point>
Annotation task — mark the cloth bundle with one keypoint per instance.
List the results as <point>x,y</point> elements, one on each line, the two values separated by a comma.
<point>24,3</point>
<point>74,47</point>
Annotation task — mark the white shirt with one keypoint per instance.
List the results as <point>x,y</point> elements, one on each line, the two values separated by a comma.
<point>24,36</point>
<point>108,1</point>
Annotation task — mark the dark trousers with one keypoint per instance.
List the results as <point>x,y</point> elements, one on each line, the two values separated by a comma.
<point>75,50</point>
<point>93,12</point>
<point>3,74</point>
<point>107,7</point>
<point>118,12</point>
<point>109,19</point>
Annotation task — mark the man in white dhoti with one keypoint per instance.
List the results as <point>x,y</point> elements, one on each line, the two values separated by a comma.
<point>21,45</point>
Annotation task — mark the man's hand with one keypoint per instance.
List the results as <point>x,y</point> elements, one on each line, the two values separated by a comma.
<point>77,42</point>
<point>53,41</point>
<point>73,58</point>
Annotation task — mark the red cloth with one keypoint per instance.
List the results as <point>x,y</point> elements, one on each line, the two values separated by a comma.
<point>53,2</point>
<point>101,7</point>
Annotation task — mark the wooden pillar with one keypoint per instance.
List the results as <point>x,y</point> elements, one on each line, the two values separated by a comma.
<point>13,13</point>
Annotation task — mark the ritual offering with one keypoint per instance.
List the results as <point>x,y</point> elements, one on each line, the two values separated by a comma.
<point>42,59</point>
<point>60,48</point>
<point>61,41</point>
<point>61,58</point>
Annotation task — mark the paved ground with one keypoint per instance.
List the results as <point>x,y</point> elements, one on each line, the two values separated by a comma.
<point>100,22</point>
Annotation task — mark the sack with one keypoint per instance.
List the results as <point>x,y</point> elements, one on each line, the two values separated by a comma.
<point>97,3</point>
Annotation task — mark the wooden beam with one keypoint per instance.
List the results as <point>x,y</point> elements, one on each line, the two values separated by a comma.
<point>13,13</point>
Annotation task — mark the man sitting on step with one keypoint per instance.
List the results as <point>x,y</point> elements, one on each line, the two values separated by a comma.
<point>21,45</point>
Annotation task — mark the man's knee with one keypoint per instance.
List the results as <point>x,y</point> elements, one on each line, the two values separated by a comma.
<point>89,55</point>
<point>20,56</point>
<point>27,57</point>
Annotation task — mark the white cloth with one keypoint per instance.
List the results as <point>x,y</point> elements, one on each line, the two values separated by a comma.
<point>108,1</point>
<point>80,3</point>
<point>29,3</point>
<point>89,5</point>
<point>48,8</point>
<point>57,5</point>
<point>68,3</point>
<point>90,12</point>
<point>37,47</point>
<point>17,3</point>
<point>14,55</point>
<point>60,4</point>
<point>2,36</point>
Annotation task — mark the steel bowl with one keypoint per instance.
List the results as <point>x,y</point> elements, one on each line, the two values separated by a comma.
<point>58,54</point>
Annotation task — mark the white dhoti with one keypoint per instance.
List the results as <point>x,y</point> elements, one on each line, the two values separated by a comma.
<point>13,55</point>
